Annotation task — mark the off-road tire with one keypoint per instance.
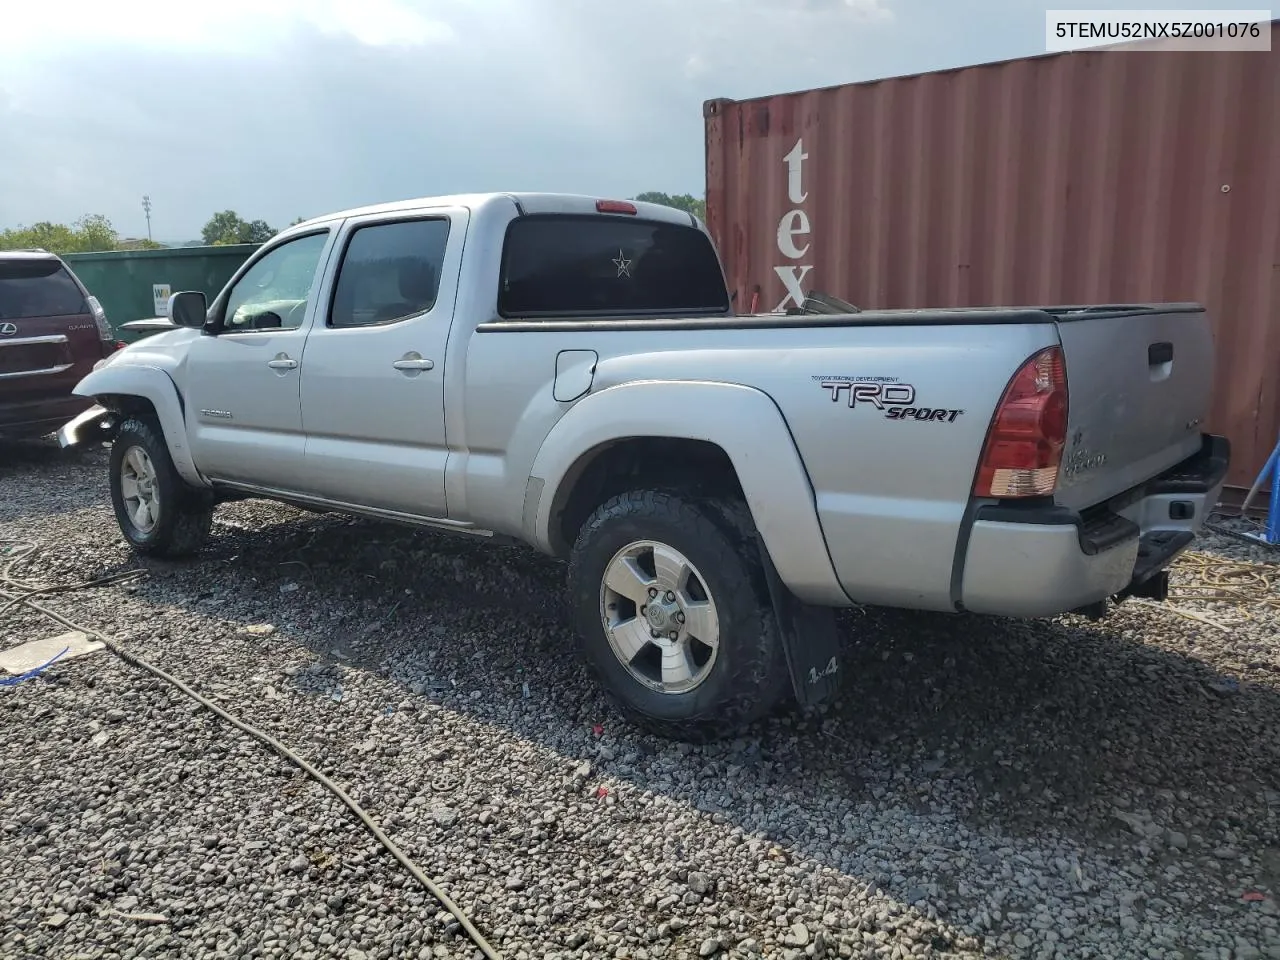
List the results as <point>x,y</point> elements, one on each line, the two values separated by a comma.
<point>748,678</point>
<point>185,513</point>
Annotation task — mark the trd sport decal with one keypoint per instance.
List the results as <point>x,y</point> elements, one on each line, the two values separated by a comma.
<point>896,400</point>
<point>936,414</point>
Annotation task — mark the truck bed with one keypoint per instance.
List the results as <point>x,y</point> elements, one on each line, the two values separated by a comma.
<point>951,316</point>
<point>893,493</point>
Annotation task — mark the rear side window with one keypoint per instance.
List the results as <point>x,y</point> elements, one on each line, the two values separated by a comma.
<point>583,266</point>
<point>38,288</point>
<point>390,271</point>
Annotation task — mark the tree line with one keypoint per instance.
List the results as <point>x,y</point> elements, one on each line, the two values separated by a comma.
<point>89,233</point>
<point>681,201</point>
<point>94,232</point>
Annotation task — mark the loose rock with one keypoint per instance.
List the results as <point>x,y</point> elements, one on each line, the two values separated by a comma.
<point>177,835</point>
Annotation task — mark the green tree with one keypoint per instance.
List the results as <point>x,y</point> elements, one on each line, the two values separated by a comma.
<point>57,237</point>
<point>682,201</point>
<point>95,232</point>
<point>91,232</point>
<point>227,227</point>
<point>259,232</point>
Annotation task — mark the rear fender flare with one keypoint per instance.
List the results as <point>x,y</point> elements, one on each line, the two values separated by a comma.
<point>153,384</point>
<point>745,423</point>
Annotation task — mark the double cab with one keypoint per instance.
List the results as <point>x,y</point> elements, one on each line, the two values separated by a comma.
<point>571,373</point>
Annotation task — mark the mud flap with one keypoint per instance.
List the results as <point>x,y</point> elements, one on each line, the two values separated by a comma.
<point>809,638</point>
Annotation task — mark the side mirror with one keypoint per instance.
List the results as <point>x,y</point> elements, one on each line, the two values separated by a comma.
<point>188,309</point>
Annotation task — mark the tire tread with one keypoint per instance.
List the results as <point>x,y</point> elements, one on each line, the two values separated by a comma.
<point>188,526</point>
<point>760,681</point>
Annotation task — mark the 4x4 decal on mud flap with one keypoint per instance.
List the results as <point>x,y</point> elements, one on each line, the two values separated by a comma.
<point>896,400</point>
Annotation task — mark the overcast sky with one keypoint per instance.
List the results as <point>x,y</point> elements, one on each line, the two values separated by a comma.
<point>287,108</point>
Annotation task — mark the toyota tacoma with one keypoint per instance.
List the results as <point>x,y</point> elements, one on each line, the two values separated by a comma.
<point>571,373</point>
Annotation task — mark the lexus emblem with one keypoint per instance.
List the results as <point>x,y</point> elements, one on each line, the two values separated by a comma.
<point>8,329</point>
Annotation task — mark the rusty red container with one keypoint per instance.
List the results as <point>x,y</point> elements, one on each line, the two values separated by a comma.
<point>1086,177</point>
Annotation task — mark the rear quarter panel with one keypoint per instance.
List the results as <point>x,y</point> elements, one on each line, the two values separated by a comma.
<point>890,492</point>
<point>892,469</point>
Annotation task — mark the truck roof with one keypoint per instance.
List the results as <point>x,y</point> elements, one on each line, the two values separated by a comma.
<point>29,254</point>
<point>568,203</point>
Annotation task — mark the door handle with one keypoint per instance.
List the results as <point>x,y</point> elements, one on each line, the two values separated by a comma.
<point>282,363</point>
<point>413,363</point>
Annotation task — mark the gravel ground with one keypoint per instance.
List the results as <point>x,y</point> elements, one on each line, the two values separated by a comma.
<point>984,788</point>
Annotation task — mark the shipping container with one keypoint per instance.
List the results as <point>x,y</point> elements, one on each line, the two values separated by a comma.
<point>135,284</point>
<point>1087,177</point>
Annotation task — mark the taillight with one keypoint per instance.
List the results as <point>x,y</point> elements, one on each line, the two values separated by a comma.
<point>100,319</point>
<point>1024,443</point>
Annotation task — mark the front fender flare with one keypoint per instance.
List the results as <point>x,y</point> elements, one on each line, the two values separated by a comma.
<point>153,384</point>
<point>745,423</point>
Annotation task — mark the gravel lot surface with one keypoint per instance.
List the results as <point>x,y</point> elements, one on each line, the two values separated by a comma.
<point>984,788</point>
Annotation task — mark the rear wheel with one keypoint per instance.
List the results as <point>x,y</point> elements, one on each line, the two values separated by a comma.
<point>674,616</point>
<point>158,512</point>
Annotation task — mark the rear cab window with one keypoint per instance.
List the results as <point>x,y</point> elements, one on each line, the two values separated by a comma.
<point>41,287</point>
<point>572,265</point>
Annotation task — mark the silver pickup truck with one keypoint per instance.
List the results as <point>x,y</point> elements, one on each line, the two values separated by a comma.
<point>570,373</point>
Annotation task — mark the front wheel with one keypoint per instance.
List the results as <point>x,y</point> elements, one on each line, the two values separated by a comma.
<point>674,616</point>
<point>159,514</point>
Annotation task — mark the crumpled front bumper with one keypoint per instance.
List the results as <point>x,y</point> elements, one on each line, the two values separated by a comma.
<point>93,426</point>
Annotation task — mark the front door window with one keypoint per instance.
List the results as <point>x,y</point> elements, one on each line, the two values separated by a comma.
<point>274,292</point>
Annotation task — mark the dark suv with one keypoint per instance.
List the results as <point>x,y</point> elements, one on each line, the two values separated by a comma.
<point>52,332</point>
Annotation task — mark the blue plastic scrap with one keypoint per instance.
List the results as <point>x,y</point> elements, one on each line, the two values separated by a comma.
<point>1273,510</point>
<point>33,672</point>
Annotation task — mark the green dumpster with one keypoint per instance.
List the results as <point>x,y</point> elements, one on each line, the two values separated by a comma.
<point>135,284</point>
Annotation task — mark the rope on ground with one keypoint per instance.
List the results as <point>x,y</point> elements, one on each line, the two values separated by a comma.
<point>23,597</point>
<point>1181,612</point>
<point>1240,584</point>
<point>1246,586</point>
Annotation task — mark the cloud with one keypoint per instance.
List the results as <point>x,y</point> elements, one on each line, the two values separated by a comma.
<point>864,9</point>
<point>242,26</point>
<point>287,108</point>
<point>695,66</point>
<point>378,22</point>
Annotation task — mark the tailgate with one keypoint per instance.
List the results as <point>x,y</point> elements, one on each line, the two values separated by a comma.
<point>1139,382</point>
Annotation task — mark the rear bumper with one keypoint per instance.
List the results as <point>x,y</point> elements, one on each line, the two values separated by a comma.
<point>1036,561</point>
